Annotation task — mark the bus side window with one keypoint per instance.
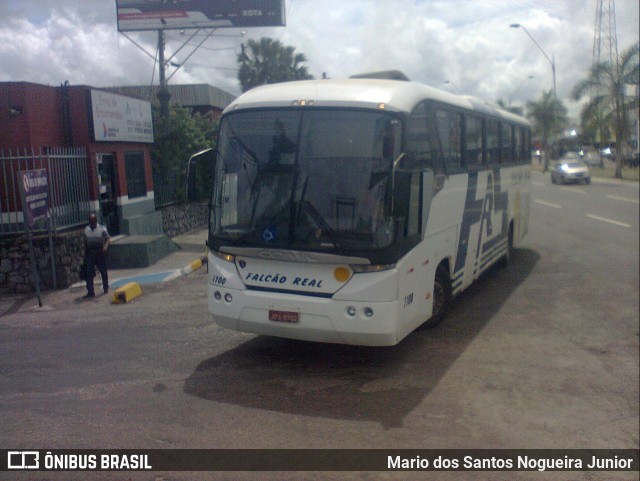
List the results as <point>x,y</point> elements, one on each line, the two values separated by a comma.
<point>419,147</point>
<point>450,133</point>
<point>506,141</point>
<point>492,144</point>
<point>518,141</point>
<point>473,143</point>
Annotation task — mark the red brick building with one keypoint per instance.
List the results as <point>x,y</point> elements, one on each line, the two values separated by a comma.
<point>116,133</point>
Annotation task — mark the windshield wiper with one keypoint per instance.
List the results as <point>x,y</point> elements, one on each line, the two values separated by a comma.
<point>324,226</point>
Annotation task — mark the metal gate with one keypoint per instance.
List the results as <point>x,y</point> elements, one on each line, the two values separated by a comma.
<point>69,203</point>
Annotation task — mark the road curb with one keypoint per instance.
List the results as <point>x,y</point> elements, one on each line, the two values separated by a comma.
<point>131,290</point>
<point>193,266</point>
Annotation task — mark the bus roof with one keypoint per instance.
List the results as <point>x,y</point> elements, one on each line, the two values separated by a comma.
<point>393,95</point>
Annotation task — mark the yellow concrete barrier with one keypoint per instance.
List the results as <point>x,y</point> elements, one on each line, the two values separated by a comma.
<point>194,266</point>
<point>124,294</point>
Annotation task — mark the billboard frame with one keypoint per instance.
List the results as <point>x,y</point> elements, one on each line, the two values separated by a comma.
<point>143,15</point>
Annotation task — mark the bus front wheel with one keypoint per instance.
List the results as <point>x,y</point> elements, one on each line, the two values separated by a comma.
<point>441,297</point>
<point>508,255</point>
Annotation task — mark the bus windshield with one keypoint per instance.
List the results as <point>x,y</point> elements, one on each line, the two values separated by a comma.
<point>313,179</point>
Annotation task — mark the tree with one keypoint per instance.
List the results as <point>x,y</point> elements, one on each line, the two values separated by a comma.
<point>268,61</point>
<point>549,116</point>
<point>177,137</point>
<point>609,105</point>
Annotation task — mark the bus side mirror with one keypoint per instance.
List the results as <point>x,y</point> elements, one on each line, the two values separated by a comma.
<point>200,173</point>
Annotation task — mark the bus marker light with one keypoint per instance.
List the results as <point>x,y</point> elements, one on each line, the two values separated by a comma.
<point>341,274</point>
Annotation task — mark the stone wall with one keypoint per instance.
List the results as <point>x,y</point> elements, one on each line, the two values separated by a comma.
<point>16,274</point>
<point>178,219</point>
<point>15,264</point>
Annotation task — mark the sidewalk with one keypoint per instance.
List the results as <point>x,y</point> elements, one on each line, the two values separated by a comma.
<point>189,256</point>
<point>192,249</point>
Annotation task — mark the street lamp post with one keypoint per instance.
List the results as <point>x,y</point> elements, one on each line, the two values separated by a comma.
<point>552,62</point>
<point>513,95</point>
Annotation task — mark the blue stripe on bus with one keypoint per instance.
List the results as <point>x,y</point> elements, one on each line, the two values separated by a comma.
<point>289,291</point>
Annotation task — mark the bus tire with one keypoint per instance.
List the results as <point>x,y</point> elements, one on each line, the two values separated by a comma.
<point>442,296</point>
<point>506,258</point>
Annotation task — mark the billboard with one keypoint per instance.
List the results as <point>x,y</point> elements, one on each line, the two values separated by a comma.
<point>117,118</point>
<point>181,14</point>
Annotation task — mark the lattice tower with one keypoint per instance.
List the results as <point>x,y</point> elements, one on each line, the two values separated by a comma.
<point>605,37</point>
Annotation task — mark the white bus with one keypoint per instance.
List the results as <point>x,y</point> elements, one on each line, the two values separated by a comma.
<point>353,211</point>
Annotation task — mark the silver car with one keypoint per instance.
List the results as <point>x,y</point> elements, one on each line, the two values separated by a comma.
<point>570,171</point>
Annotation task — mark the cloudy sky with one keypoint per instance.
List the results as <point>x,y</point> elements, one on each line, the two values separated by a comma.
<point>467,43</point>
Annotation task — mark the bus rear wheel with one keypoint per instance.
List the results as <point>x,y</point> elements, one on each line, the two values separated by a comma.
<point>441,297</point>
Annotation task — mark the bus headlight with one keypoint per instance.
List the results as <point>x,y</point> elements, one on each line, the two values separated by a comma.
<point>368,312</point>
<point>351,311</point>
<point>363,268</point>
<point>224,256</point>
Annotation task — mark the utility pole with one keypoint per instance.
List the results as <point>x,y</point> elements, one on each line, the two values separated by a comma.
<point>605,49</point>
<point>163,94</point>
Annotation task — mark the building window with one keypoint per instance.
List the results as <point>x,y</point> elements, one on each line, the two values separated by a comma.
<point>134,166</point>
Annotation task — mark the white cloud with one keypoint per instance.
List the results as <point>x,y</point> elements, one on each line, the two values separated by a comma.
<point>468,43</point>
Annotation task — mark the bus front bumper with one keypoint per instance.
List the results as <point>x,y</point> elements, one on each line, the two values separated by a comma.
<point>305,317</point>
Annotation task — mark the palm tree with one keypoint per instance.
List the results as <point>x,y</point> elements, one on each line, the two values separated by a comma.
<point>609,103</point>
<point>268,61</point>
<point>549,116</point>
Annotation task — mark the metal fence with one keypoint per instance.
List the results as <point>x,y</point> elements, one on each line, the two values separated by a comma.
<point>69,203</point>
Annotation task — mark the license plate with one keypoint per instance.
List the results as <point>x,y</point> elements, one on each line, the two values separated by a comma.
<point>284,316</point>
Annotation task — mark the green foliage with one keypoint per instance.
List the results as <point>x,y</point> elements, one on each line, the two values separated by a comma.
<point>268,61</point>
<point>608,108</point>
<point>549,116</point>
<point>177,137</point>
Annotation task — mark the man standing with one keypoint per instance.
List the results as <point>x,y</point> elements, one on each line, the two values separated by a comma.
<point>97,242</point>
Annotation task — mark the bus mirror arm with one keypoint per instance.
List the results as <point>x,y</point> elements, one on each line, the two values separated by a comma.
<point>191,180</point>
<point>397,163</point>
<point>194,169</point>
<point>407,163</point>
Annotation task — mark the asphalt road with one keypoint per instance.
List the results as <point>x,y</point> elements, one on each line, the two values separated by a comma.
<point>542,354</point>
